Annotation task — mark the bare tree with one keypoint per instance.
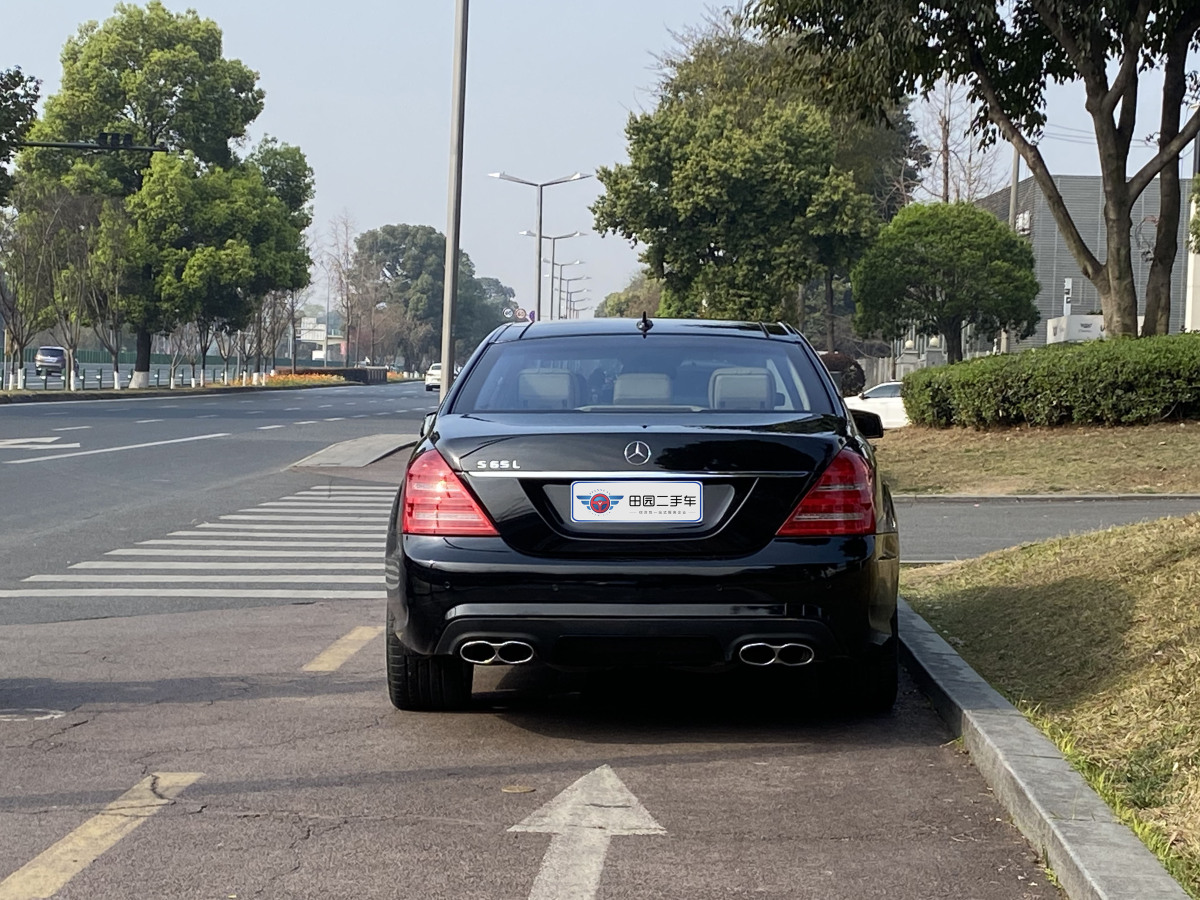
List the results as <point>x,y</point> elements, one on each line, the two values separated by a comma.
<point>959,170</point>
<point>340,269</point>
<point>27,274</point>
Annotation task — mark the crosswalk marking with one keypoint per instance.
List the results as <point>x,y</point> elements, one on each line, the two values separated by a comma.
<point>49,871</point>
<point>328,548</point>
<point>332,657</point>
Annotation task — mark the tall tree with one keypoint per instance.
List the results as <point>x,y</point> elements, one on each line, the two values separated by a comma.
<point>160,76</point>
<point>873,53</point>
<point>942,266</point>
<point>18,102</point>
<point>724,181</point>
<point>641,295</point>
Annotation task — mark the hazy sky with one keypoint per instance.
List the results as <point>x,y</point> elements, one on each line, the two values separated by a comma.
<point>363,88</point>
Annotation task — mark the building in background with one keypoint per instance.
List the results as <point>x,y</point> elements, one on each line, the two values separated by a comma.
<point>1064,288</point>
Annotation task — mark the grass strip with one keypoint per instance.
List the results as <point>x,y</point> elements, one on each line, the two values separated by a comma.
<point>1096,638</point>
<point>1142,459</point>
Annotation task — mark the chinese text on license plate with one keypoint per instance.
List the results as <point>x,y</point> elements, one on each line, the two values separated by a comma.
<point>636,501</point>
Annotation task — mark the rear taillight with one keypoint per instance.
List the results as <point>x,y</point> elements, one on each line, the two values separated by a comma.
<point>841,502</point>
<point>437,502</point>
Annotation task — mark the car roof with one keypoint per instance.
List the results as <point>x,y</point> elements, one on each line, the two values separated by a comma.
<point>52,347</point>
<point>608,325</point>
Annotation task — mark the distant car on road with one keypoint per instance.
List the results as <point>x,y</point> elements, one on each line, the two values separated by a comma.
<point>704,501</point>
<point>883,400</point>
<point>51,361</point>
<point>433,376</point>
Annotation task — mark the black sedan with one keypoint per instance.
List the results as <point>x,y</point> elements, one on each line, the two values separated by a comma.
<point>621,492</point>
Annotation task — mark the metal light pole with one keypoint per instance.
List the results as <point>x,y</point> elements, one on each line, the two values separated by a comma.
<point>551,275</point>
<point>571,301</point>
<point>537,280</point>
<point>553,239</point>
<point>454,195</point>
<point>568,281</point>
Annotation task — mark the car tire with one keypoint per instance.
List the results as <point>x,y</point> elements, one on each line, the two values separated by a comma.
<point>876,679</point>
<point>425,683</point>
<point>428,387</point>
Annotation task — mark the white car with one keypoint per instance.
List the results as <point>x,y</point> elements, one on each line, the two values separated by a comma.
<point>883,400</point>
<point>433,377</point>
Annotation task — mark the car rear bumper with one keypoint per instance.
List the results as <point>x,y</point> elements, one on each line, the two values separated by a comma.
<point>837,596</point>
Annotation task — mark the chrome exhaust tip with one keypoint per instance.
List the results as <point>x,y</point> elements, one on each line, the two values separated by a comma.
<point>791,653</point>
<point>488,653</point>
<point>757,654</point>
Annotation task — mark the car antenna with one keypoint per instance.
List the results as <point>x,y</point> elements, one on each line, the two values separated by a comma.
<point>644,324</point>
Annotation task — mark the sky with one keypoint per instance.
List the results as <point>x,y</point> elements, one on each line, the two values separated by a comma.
<point>363,88</point>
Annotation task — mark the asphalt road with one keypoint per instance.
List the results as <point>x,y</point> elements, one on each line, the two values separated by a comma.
<point>194,681</point>
<point>933,530</point>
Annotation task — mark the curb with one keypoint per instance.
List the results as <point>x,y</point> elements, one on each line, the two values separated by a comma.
<point>1093,854</point>
<point>1035,498</point>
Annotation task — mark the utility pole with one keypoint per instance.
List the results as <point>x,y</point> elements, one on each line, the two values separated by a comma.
<point>454,196</point>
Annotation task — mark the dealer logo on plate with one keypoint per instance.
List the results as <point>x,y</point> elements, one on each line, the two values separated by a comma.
<point>599,502</point>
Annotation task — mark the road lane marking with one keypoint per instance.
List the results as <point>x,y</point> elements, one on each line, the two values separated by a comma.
<point>146,421</point>
<point>49,871</point>
<point>362,544</point>
<point>332,657</point>
<point>292,535</point>
<point>195,592</point>
<point>281,554</point>
<point>306,422</point>
<point>199,437</point>
<point>37,443</point>
<point>73,428</point>
<point>292,519</point>
<point>307,527</point>
<point>269,427</point>
<point>336,419</point>
<point>310,578</point>
<point>207,416</point>
<point>202,564</point>
<point>583,819</point>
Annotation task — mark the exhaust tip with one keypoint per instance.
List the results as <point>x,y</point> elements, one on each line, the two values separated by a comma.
<point>757,654</point>
<point>481,653</point>
<point>795,655</point>
<point>514,652</point>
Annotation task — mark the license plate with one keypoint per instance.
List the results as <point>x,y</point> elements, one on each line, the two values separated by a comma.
<point>636,501</point>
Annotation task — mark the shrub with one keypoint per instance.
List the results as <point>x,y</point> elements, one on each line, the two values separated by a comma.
<point>849,375</point>
<point>1111,382</point>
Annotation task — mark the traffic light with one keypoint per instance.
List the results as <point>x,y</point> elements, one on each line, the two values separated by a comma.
<point>111,140</point>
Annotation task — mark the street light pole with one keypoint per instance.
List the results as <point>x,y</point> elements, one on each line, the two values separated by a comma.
<point>571,308</point>
<point>553,239</point>
<point>454,195</point>
<point>537,281</point>
<point>569,281</point>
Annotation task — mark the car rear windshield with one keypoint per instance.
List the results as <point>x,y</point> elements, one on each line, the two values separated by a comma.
<point>668,373</point>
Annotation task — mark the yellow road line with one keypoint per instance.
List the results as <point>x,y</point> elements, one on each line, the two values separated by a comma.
<point>331,658</point>
<point>45,874</point>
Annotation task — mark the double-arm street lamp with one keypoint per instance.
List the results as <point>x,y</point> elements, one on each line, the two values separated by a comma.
<point>572,307</point>
<point>552,274</point>
<point>553,239</point>
<point>564,290</point>
<point>540,185</point>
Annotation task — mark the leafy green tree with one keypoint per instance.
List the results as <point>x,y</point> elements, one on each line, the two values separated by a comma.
<point>404,266</point>
<point>872,53</point>
<point>642,295</point>
<point>729,181</point>
<point>18,102</point>
<point>162,77</point>
<point>942,266</point>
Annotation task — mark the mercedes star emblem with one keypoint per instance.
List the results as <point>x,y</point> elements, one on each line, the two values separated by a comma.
<point>637,453</point>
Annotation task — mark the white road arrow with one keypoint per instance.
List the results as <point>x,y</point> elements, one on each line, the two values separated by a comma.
<point>583,819</point>
<point>38,443</point>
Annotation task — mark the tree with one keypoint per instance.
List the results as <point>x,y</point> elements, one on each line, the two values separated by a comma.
<point>873,53</point>
<point>724,183</point>
<point>403,267</point>
<point>942,266</point>
<point>18,102</point>
<point>160,76</point>
<point>642,295</point>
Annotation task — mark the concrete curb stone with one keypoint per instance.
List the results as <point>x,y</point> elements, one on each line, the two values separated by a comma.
<point>1093,854</point>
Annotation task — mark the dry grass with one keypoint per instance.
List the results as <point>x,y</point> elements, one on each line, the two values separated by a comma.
<point>1151,459</point>
<point>1097,638</point>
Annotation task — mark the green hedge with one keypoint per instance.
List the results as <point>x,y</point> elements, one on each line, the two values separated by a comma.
<point>1109,382</point>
